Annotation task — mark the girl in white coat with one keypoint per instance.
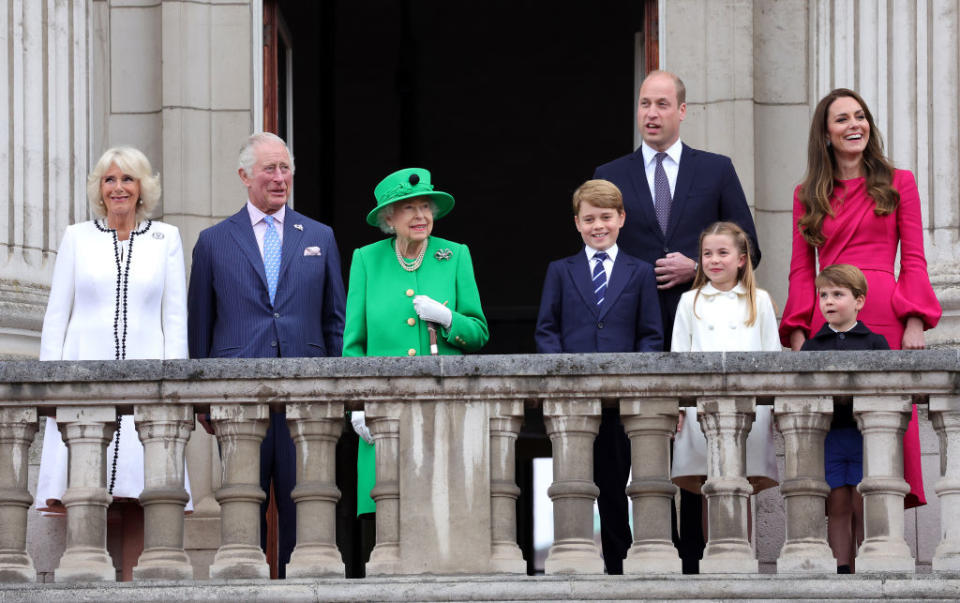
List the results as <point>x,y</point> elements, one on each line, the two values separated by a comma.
<point>118,291</point>
<point>724,312</point>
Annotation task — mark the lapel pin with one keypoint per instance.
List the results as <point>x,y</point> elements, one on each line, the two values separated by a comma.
<point>157,235</point>
<point>298,227</point>
<point>443,254</point>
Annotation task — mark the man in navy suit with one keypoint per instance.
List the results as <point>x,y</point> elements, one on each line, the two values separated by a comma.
<point>671,193</point>
<point>602,300</point>
<point>266,283</point>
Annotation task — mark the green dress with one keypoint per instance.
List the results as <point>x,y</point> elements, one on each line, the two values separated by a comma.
<point>381,320</point>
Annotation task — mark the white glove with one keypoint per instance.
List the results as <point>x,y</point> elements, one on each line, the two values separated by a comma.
<point>360,426</point>
<point>432,311</point>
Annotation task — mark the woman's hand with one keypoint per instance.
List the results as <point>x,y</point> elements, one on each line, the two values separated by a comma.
<point>796,340</point>
<point>357,419</point>
<point>913,334</point>
<point>432,311</point>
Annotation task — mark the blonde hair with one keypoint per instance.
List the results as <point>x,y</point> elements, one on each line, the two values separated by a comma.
<point>133,162</point>
<point>598,193</point>
<point>744,274</point>
<point>845,276</point>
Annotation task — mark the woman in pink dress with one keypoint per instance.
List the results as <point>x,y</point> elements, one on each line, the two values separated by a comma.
<point>853,207</point>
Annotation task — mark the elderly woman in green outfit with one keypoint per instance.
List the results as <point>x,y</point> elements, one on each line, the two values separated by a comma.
<point>404,286</point>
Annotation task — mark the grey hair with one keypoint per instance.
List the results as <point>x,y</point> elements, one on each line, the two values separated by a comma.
<point>248,154</point>
<point>387,212</point>
<point>133,162</point>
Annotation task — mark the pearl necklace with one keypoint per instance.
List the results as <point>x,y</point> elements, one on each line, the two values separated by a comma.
<point>120,307</point>
<point>416,263</point>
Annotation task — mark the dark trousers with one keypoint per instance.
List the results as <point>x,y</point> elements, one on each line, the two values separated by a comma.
<point>611,469</point>
<point>278,462</point>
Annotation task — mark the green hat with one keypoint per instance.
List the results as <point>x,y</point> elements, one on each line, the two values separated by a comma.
<point>406,184</point>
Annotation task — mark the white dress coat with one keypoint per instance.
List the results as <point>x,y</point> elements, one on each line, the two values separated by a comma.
<point>719,326</point>
<point>79,325</point>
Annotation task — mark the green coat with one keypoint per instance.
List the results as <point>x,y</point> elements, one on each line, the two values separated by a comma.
<point>381,320</point>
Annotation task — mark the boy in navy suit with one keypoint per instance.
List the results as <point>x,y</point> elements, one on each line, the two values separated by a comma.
<point>602,300</point>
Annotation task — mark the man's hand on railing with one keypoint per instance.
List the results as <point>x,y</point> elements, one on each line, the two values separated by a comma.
<point>204,419</point>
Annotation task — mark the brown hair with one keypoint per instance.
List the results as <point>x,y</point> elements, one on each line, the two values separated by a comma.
<point>744,274</point>
<point>817,186</point>
<point>677,83</point>
<point>843,275</point>
<point>598,193</point>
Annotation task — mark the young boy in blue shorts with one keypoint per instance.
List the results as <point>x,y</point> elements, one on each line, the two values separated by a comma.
<point>842,290</point>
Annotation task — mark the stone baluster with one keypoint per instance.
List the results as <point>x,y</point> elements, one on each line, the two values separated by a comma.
<point>945,415</point>
<point>240,429</point>
<point>164,430</point>
<point>383,419</point>
<point>726,423</point>
<point>86,431</point>
<point>18,426</point>
<point>506,419</point>
<point>804,422</point>
<point>650,423</point>
<point>315,428</point>
<point>572,426</point>
<point>882,421</point>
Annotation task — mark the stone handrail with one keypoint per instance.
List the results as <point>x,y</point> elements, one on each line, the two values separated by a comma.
<point>445,430</point>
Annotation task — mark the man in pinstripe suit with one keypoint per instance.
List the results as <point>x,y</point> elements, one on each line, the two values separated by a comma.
<point>292,308</point>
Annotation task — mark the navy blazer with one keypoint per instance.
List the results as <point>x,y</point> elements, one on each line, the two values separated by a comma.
<point>230,315</point>
<point>570,321</point>
<point>707,191</point>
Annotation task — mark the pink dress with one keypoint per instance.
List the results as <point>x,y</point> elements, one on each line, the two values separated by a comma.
<point>856,235</point>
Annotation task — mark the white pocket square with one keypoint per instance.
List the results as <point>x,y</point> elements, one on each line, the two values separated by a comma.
<point>311,251</point>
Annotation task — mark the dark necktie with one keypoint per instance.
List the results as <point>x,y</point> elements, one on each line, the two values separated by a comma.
<point>661,198</point>
<point>599,276</point>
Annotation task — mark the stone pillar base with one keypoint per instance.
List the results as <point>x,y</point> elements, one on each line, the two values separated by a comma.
<point>384,560</point>
<point>737,565</point>
<point>655,558</point>
<point>810,558</point>
<point>574,556</point>
<point>314,560</point>
<point>163,564</point>
<point>85,564</point>
<point>17,567</point>
<point>239,561</point>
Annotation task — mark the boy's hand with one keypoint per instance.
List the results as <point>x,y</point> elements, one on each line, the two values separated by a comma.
<point>674,269</point>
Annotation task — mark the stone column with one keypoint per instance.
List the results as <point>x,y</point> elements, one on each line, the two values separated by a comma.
<point>43,155</point>
<point>882,421</point>
<point>86,431</point>
<point>726,423</point>
<point>315,428</point>
<point>945,415</point>
<point>572,426</point>
<point>506,419</point>
<point>164,430</point>
<point>383,419</point>
<point>804,422</point>
<point>650,423</point>
<point>240,430</point>
<point>18,426</point>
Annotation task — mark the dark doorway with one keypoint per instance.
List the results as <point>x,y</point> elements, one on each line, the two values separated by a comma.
<point>510,104</point>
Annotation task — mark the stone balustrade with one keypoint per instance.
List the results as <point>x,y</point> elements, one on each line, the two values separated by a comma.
<point>445,430</point>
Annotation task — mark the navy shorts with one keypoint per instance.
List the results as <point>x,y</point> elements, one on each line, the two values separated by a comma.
<point>843,457</point>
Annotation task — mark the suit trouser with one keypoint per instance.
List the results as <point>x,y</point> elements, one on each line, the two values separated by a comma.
<point>278,460</point>
<point>611,470</point>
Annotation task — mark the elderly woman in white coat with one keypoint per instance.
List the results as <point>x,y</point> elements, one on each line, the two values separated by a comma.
<point>118,292</point>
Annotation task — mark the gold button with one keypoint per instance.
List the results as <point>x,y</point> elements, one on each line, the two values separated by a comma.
<point>411,321</point>
<point>409,292</point>
<point>411,352</point>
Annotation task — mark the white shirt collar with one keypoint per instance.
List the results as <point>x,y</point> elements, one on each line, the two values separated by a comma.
<point>650,154</point>
<point>710,290</point>
<point>257,216</point>
<point>611,251</point>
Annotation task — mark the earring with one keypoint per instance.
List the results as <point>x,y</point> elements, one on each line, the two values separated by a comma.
<point>829,144</point>
<point>139,201</point>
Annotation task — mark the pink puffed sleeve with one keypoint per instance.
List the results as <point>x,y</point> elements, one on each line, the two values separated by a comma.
<point>802,295</point>
<point>913,294</point>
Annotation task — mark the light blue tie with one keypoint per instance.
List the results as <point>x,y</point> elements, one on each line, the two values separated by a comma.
<point>271,256</point>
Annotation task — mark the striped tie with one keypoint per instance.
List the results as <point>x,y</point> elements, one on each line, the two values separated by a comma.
<point>271,256</point>
<point>599,277</point>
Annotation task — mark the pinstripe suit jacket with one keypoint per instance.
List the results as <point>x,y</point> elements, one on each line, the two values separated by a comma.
<point>230,315</point>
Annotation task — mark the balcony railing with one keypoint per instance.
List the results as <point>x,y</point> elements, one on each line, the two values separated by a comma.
<point>445,431</point>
